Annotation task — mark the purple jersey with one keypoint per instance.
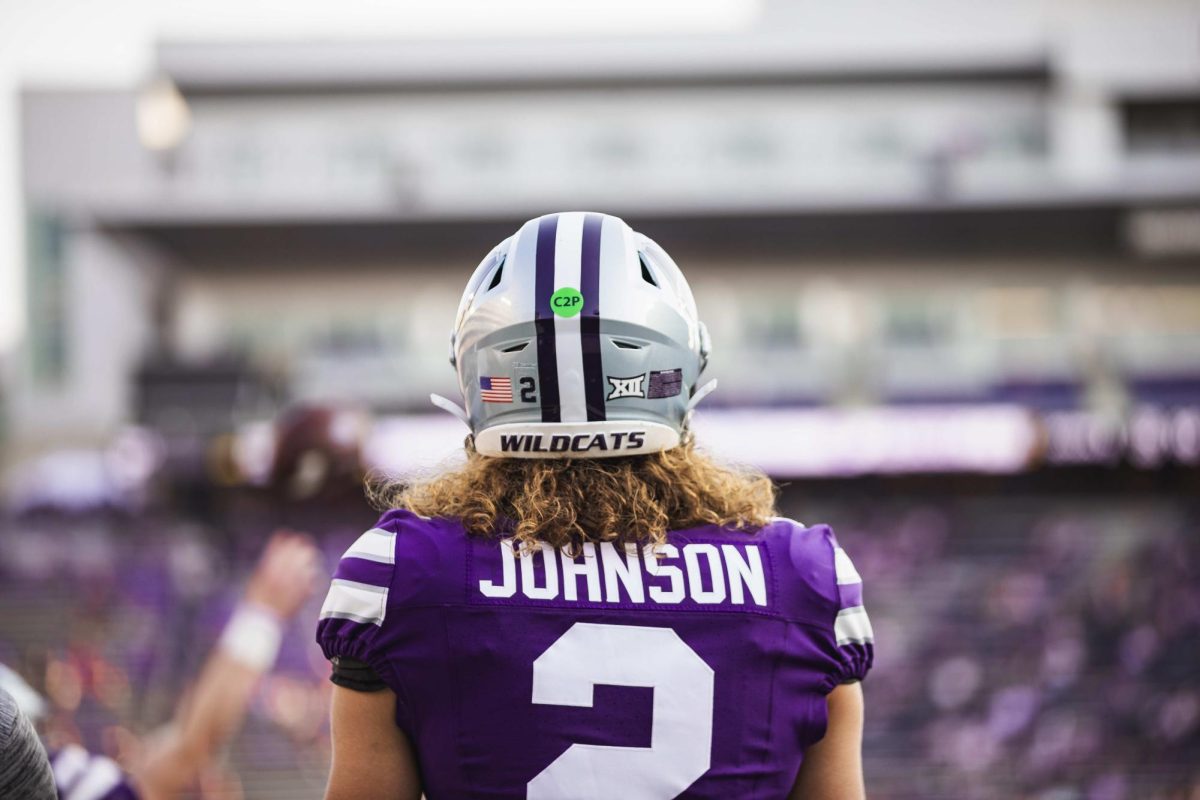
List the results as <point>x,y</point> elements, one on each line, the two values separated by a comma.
<point>700,672</point>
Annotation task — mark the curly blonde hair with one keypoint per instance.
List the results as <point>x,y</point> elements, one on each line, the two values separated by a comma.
<point>566,502</point>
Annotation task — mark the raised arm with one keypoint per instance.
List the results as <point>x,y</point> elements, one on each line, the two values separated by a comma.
<point>285,578</point>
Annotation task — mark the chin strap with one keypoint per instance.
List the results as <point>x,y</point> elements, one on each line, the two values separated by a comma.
<point>454,408</point>
<point>701,393</point>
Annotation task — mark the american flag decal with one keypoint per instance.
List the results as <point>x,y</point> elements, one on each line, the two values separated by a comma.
<point>495,390</point>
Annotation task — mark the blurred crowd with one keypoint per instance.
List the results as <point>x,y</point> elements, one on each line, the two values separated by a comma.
<point>111,618</point>
<point>1031,647</point>
<point>1028,647</point>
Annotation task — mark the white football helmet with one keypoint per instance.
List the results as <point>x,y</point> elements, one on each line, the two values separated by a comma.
<point>577,337</point>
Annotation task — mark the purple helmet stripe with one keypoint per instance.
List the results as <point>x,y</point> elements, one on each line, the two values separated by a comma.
<point>589,322</point>
<point>547,354</point>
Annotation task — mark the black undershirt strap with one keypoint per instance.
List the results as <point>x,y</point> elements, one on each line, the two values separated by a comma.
<point>350,673</point>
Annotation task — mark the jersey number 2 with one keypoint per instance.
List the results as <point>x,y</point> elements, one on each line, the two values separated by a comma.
<point>680,748</point>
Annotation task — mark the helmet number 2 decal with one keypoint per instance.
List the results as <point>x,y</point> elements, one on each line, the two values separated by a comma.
<point>680,748</point>
<point>566,302</point>
<point>528,389</point>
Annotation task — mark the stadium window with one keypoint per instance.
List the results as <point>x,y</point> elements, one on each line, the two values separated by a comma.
<point>1161,125</point>
<point>483,150</point>
<point>915,323</point>
<point>613,148</point>
<point>772,326</point>
<point>47,288</point>
<point>751,146</point>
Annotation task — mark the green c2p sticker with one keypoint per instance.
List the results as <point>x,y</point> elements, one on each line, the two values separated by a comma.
<point>566,302</point>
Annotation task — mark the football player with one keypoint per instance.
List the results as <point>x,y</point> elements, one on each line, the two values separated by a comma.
<point>590,608</point>
<point>175,756</point>
<point>24,770</point>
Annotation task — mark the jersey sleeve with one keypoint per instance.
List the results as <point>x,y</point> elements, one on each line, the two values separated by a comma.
<point>353,614</point>
<point>825,593</point>
<point>852,634</point>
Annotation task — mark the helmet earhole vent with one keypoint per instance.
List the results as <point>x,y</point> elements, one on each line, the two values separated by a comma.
<point>515,348</point>
<point>626,345</point>
<point>499,273</point>
<point>647,275</point>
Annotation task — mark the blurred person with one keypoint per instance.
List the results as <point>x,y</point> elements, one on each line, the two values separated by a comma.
<point>24,768</point>
<point>590,607</point>
<point>176,756</point>
<point>318,454</point>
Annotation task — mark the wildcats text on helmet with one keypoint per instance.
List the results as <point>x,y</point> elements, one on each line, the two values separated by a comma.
<point>578,443</point>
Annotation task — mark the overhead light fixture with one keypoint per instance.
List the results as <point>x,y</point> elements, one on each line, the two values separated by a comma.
<point>163,115</point>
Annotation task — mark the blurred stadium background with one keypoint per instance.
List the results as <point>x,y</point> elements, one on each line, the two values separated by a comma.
<point>949,253</point>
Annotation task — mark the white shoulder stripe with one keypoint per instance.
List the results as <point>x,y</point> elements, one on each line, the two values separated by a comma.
<point>101,777</point>
<point>846,573</point>
<point>360,602</point>
<point>853,626</point>
<point>374,545</point>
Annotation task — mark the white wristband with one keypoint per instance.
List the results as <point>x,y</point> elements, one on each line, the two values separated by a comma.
<point>252,637</point>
